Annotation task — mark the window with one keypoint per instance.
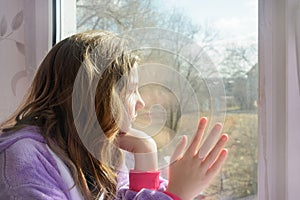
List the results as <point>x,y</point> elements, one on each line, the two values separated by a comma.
<point>225,34</point>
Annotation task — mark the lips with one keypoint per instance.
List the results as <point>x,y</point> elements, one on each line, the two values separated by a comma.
<point>134,117</point>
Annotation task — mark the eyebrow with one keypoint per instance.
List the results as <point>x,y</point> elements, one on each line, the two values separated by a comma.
<point>133,84</point>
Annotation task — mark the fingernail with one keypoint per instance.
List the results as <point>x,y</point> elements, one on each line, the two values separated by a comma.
<point>219,126</point>
<point>224,137</point>
<point>224,152</point>
<point>203,120</point>
<point>181,139</point>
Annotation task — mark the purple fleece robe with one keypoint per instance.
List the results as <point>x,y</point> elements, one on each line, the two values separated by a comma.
<point>29,171</point>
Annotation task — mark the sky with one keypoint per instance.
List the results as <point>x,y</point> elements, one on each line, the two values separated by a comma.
<point>234,19</point>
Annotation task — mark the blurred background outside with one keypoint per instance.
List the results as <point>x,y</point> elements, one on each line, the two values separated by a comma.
<point>227,32</point>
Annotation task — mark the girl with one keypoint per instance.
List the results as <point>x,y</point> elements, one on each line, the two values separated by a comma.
<point>63,141</point>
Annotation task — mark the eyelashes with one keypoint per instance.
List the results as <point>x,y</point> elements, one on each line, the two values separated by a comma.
<point>133,91</point>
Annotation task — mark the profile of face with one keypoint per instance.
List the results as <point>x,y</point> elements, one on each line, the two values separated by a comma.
<point>133,100</point>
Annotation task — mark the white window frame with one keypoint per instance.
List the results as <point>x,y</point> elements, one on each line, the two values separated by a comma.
<point>293,99</point>
<point>41,39</point>
<point>65,18</point>
<point>38,30</point>
<point>279,113</point>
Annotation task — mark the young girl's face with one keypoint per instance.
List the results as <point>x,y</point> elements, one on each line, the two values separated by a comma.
<point>133,100</point>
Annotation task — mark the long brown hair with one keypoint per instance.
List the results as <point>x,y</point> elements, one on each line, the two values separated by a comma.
<point>64,112</point>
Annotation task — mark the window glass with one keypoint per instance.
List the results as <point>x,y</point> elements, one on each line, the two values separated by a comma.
<point>204,54</point>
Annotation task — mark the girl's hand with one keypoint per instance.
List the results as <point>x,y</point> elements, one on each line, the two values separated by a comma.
<point>144,149</point>
<point>192,172</point>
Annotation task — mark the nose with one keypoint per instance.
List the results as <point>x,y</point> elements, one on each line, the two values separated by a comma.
<point>140,104</point>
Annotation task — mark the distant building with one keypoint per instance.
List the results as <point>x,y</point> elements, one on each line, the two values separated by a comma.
<point>242,91</point>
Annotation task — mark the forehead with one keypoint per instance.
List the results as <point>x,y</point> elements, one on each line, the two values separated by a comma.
<point>134,74</point>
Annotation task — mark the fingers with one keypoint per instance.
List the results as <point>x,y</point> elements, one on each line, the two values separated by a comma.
<point>214,153</point>
<point>192,150</point>
<point>179,149</point>
<point>213,170</point>
<point>209,141</point>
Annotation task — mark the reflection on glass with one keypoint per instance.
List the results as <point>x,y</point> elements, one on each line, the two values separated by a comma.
<point>226,31</point>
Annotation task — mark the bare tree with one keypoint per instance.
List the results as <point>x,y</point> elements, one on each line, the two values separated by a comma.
<point>116,15</point>
<point>238,68</point>
<point>124,15</point>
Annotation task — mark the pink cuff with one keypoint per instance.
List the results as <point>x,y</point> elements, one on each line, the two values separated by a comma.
<point>173,196</point>
<point>139,180</point>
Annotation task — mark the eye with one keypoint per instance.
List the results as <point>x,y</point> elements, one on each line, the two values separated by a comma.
<point>132,91</point>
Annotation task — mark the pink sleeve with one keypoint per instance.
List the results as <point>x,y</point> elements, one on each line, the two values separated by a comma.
<point>139,180</point>
<point>146,180</point>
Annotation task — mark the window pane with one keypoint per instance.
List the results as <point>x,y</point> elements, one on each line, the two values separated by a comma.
<point>217,77</point>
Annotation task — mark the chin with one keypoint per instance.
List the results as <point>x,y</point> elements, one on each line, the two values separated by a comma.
<point>125,126</point>
<point>133,118</point>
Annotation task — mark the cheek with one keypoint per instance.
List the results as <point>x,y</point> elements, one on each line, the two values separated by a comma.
<point>130,105</point>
